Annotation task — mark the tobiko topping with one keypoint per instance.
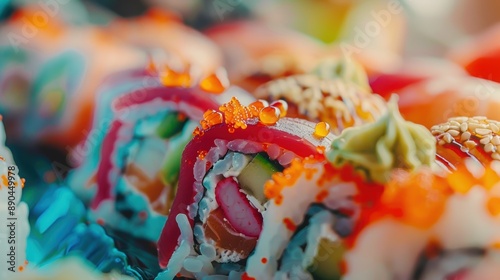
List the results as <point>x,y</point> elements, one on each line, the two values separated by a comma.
<point>236,115</point>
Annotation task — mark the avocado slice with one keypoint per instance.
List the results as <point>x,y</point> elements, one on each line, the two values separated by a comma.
<point>326,263</point>
<point>172,160</point>
<point>171,124</point>
<point>253,177</point>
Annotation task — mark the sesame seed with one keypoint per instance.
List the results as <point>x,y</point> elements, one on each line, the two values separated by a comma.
<point>480,118</point>
<point>441,142</point>
<point>459,119</point>
<point>495,140</point>
<point>494,127</point>
<point>454,123</point>
<point>485,140</point>
<point>483,131</point>
<point>464,127</point>
<point>470,144</point>
<point>437,132</point>
<point>444,127</point>
<point>447,137</point>
<point>489,148</point>
<point>465,136</point>
<point>454,132</point>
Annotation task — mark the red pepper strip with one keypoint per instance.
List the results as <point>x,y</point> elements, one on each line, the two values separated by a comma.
<point>185,193</point>
<point>196,98</point>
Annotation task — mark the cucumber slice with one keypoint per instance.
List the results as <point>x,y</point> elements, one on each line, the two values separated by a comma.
<point>253,177</point>
<point>172,160</point>
<point>170,125</point>
<point>326,263</point>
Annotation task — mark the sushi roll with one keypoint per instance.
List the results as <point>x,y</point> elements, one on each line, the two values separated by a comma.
<point>335,92</point>
<point>130,171</point>
<point>160,30</point>
<point>316,206</point>
<point>433,101</point>
<point>67,64</point>
<point>431,226</point>
<point>216,217</point>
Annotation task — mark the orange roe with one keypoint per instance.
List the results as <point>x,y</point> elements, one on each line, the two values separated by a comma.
<point>202,154</point>
<point>235,114</point>
<point>22,182</point>
<point>170,78</point>
<point>289,224</point>
<point>263,260</point>
<point>269,115</point>
<point>198,132</point>
<point>321,149</point>
<point>211,118</point>
<point>215,83</point>
<point>289,176</point>
<point>282,106</point>
<point>321,130</point>
<point>21,268</point>
<point>256,106</point>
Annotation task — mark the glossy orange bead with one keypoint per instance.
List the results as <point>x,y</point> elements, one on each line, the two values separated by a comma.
<point>269,115</point>
<point>282,105</point>
<point>322,129</point>
<point>170,78</point>
<point>216,82</point>
<point>256,106</point>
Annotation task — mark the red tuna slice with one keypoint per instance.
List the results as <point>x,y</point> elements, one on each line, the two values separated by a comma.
<point>237,209</point>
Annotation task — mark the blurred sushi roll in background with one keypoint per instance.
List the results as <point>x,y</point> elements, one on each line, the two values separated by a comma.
<point>129,175</point>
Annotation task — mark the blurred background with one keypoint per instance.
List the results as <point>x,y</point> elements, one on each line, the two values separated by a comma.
<point>54,54</point>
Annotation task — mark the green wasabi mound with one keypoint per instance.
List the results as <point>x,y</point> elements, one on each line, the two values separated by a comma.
<point>380,147</point>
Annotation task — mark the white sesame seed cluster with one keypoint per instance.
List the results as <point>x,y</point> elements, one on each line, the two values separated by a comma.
<point>319,98</point>
<point>463,129</point>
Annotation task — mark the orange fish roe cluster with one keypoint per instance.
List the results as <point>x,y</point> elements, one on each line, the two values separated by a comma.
<point>416,199</point>
<point>419,199</point>
<point>211,118</point>
<point>256,106</point>
<point>287,178</point>
<point>236,115</point>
